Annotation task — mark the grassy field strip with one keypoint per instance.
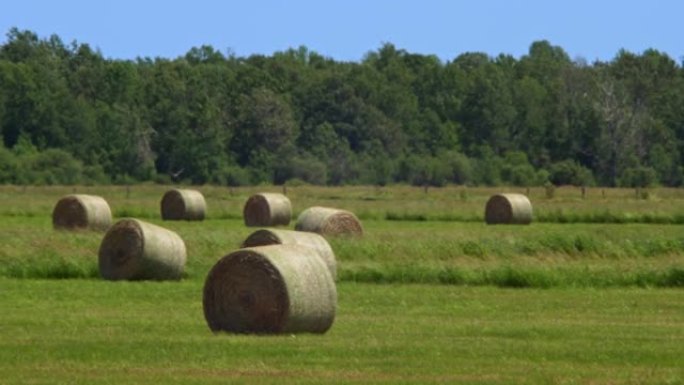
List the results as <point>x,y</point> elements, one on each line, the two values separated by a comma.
<point>397,203</point>
<point>87,331</point>
<point>539,255</point>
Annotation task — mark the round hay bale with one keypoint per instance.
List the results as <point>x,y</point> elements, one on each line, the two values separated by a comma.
<point>314,241</point>
<point>79,211</point>
<point>508,209</point>
<point>267,209</point>
<point>329,221</point>
<point>183,204</point>
<point>135,250</point>
<point>270,289</point>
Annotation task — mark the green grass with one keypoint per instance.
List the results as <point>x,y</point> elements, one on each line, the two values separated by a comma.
<point>95,332</point>
<point>430,294</point>
<point>539,255</point>
<point>396,203</point>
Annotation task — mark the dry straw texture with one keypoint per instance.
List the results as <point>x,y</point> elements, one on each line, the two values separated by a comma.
<point>183,204</point>
<point>508,209</point>
<point>267,209</point>
<point>329,221</point>
<point>134,250</point>
<point>266,237</point>
<point>270,289</point>
<point>80,211</point>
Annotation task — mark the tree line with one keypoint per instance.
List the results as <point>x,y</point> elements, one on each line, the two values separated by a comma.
<point>69,115</point>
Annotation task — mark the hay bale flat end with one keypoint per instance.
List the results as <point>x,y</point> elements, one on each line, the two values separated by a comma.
<point>80,211</point>
<point>267,209</point>
<point>268,290</point>
<point>183,204</point>
<point>137,250</point>
<point>508,209</point>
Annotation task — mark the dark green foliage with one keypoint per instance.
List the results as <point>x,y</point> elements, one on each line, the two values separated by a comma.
<point>514,277</point>
<point>8,166</point>
<point>674,278</point>
<point>231,176</point>
<point>425,171</point>
<point>26,165</point>
<point>487,167</point>
<point>460,166</point>
<point>305,168</point>
<point>517,171</point>
<point>638,177</point>
<point>393,117</point>
<point>569,172</point>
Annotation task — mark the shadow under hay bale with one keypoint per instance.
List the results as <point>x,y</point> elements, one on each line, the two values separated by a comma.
<point>329,221</point>
<point>79,211</point>
<point>270,289</point>
<point>267,209</point>
<point>183,204</point>
<point>508,209</point>
<point>137,250</point>
<point>314,241</point>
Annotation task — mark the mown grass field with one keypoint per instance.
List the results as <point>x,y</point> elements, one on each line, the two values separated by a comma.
<point>591,292</point>
<point>88,331</point>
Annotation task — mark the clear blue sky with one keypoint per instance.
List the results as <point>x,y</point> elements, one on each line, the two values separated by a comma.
<point>346,30</point>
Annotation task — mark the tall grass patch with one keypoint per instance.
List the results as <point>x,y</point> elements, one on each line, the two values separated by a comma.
<point>463,251</point>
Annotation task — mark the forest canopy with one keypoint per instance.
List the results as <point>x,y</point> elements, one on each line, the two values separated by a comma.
<point>69,115</point>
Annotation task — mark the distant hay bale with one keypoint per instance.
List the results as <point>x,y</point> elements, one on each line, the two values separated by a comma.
<point>329,221</point>
<point>270,289</point>
<point>136,250</point>
<point>266,237</point>
<point>183,204</point>
<point>267,209</point>
<point>79,211</point>
<point>508,209</point>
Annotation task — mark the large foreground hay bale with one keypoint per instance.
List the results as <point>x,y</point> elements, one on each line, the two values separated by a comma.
<point>267,209</point>
<point>508,209</point>
<point>133,250</point>
<point>183,204</point>
<point>81,211</point>
<point>270,289</point>
<point>314,241</point>
<point>329,221</point>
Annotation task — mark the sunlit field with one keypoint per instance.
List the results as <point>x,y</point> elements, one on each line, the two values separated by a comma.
<point>590,292</point>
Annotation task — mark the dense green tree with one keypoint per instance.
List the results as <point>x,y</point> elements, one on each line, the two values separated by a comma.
<point>265,132</point>
<point>547,64</point>
<point>516,170</point>
<point>487,113</point>
<point>569,172</point>
<point>70,115</point>
<point>529,132</point>
<point>8,166</point>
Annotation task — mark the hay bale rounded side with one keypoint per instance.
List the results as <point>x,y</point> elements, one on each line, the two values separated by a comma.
<point>329,221</point>
<point>137,250</point>
<point>80,211</point>
<point>508,209</point>
<point>270,289</point>
<point>267,209</point>
<point>183,204</point>
<point>314,241</point>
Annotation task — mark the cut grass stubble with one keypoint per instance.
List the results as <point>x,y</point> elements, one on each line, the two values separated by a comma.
<point>83,331</point>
